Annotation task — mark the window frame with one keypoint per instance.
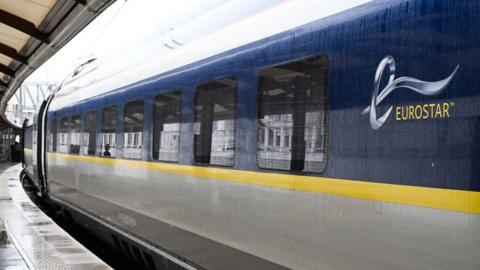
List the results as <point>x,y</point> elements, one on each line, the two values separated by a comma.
<point>67,132</point>
<point>70,132</point>
<point>100,131</point>
<point>235,118</point>
<point>180,119</point>
<point>326,114</point>
<point>54,137</point>
<point>95,133</point>
<point>122,130</point>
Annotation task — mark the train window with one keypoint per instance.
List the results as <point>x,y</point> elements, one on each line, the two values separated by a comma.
<point>166,126</point>
<point>109,128</point>
<point>75,134</point>
<point>214,127</point>
<point>133,130</point>
<point>89,134</point>
<point>63,136</point>
<point>52,136</point>
<point>292,116</point>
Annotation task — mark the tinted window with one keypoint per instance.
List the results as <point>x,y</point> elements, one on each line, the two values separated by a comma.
<point>292,116</point>
<point>52,138</point>
<point>63,136</point>
<point>90,134</point>
<point>133,130</point>
<point>166,126</point>
<point>75,134</point>
<point>109,126</point>
<point>214,128</point>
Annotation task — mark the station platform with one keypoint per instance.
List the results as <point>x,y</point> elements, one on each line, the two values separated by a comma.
<point>29,239</point>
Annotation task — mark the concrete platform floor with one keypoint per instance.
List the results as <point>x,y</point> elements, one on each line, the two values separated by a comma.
<point>29,239</point>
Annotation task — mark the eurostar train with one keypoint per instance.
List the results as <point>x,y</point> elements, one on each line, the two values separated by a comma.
<point>313,135</point>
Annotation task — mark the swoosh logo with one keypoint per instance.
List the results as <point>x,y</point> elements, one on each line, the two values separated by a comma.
<point>421,87</point>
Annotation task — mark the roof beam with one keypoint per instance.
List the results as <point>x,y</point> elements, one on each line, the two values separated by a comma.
<point>22,25</point>
<point>82,2</point>
<point>5,70</point>
<point>12,53</point>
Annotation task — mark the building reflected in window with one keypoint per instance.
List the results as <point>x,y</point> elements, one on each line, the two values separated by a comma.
<point>166,126</point>
<point>214,127</point>
<point>108,132</point>
<point>133,130</point>
<point>292,116</point>
<point>63,135</point>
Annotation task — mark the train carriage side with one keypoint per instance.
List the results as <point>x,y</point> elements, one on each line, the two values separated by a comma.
<point>349,142</point>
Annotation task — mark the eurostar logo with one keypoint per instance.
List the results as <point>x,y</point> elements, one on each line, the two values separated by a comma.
<point>421,87</point>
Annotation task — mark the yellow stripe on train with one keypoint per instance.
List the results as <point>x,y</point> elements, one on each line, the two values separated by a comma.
<point>448,199</point>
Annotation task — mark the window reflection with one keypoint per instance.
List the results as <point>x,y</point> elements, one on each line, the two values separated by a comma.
<point>166,126</point>
<point>291,116</point>
<point>214,127</point>
<point>107,135</point>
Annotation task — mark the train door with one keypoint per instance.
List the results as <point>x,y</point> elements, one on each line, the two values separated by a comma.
<point>22,141</point>
<point>35,151</point>
<point>39,135</point>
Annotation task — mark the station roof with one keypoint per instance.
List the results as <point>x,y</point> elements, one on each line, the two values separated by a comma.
<point>31,31</point>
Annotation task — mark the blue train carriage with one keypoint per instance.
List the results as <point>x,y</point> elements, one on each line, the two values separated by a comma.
<point>350,141</point>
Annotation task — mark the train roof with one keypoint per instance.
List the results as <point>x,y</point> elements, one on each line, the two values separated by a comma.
<point>152,59</point>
